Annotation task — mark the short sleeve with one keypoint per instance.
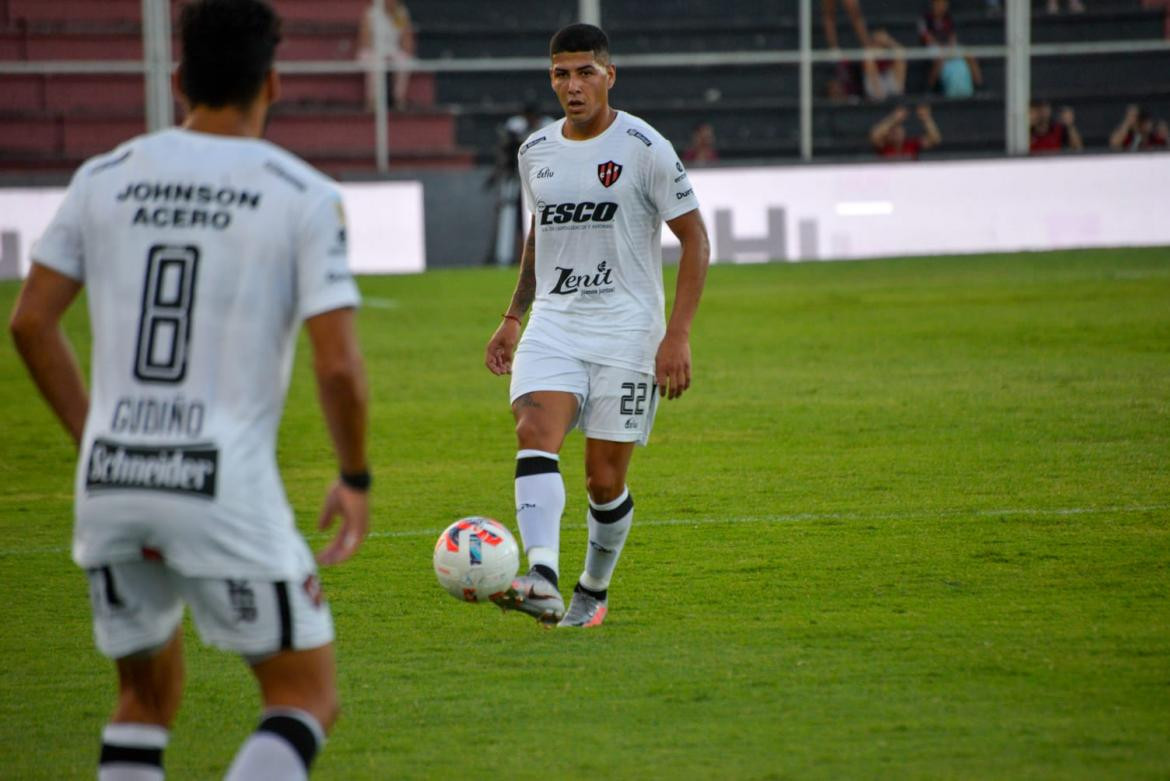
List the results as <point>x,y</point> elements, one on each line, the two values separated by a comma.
<point>670,187</point>
<point>324,281</point>
<point>61,247</point>
<point>525,185</point>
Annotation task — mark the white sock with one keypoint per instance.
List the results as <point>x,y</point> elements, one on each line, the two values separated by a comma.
<point>132,752</point>
<point>540,501</point>
<point>609,525</point>
<point>281,749</point>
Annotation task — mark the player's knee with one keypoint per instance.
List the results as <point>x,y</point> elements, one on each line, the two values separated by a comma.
<point>604,485</point>
<point>532,434</point>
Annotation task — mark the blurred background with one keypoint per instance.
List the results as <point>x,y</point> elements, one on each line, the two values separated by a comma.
<point>441,92</point>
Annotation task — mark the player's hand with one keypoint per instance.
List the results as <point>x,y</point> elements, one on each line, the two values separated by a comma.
<point>501,347</point>
<point>1067,116</point>
<point>354,508</point>
<point>672,365</point>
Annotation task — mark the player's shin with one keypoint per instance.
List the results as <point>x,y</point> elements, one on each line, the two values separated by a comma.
<point>609,525</point>
<point>540,501</point>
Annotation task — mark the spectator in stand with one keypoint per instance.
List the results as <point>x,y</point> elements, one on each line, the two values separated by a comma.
<point>890,140</point>
<point>845,86</point>
<point>954,73</point>
<point>829,21</point>
<point>1049,135</point>
<point>702,149</point>
<point>386,26</point>
<point>1074,7</point>
<point>1139,130</point>
<point>1164,4</point>
<point>885,67</point>
<point>845,83</point>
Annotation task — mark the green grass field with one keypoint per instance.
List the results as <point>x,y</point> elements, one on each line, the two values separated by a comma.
<point>912,521</point>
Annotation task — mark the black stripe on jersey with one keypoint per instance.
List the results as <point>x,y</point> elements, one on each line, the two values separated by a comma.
<point>97,169</point>
<point>639,136</point>
<point>524,149</point>
<point>274,168</point>
<point>132,755</point>
<point>112,598</point>
<point>614,515</point>
<point>536,465</point>
<point>282,604</point>
<point>295,732</point>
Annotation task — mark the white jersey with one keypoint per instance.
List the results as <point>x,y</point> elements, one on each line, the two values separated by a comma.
<point>200,255</point>
<point>599,206</point>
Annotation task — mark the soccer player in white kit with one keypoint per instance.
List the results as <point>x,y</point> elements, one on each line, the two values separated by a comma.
<point>597,351</point>
<point>202,249</point>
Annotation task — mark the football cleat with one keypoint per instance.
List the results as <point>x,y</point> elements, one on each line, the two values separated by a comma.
<point>585,610</point>
<point>535,595</point>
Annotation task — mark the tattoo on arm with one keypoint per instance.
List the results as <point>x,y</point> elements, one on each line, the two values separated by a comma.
<point>526,286</point>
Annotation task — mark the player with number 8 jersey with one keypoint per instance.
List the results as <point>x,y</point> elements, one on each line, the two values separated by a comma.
<point>200,255</point>
<point>202,250</point>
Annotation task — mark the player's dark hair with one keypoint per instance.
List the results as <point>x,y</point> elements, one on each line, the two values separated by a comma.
<point>580,38</point>
<point>228,49</point>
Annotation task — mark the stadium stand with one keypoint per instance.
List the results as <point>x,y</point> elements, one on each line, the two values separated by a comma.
<point>51,122</point>
<point>753,108</point>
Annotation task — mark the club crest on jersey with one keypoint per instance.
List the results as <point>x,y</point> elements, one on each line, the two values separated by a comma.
<point>608,172</point>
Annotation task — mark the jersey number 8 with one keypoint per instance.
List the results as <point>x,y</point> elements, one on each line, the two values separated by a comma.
<point>164,323</point>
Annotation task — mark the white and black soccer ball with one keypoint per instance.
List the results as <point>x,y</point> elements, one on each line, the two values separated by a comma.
<point>476,559</point>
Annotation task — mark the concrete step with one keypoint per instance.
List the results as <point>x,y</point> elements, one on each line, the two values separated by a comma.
<point>122,93</point>
<point>82,135</point>
<point>335,11</point>
<point>340,164</point>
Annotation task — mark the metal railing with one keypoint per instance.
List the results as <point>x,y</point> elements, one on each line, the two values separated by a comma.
<point>157,64</point>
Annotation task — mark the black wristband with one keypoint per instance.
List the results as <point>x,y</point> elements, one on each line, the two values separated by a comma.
<point>358,481</point>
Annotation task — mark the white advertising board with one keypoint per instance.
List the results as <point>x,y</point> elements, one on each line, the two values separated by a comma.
<point>838,212</point>
<point>384,223</point>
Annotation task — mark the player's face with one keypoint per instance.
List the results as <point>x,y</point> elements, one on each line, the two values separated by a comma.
<point>582,86</point>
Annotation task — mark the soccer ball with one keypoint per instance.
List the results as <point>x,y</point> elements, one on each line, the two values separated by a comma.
<point>476,558</point>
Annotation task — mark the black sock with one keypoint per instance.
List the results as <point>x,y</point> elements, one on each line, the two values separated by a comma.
<point>600,595</point>
<point>132,749</point>
<point>545,572</point>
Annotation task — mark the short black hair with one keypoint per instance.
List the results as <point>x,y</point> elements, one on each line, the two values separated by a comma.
<point>581,38</point>
<point>228,50</point>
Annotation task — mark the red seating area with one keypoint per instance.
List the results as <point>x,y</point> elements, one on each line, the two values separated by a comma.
<point>52,122</point>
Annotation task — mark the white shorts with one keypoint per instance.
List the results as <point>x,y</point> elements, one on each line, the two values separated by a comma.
<point>138,604</point>
<point>613,404</point>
